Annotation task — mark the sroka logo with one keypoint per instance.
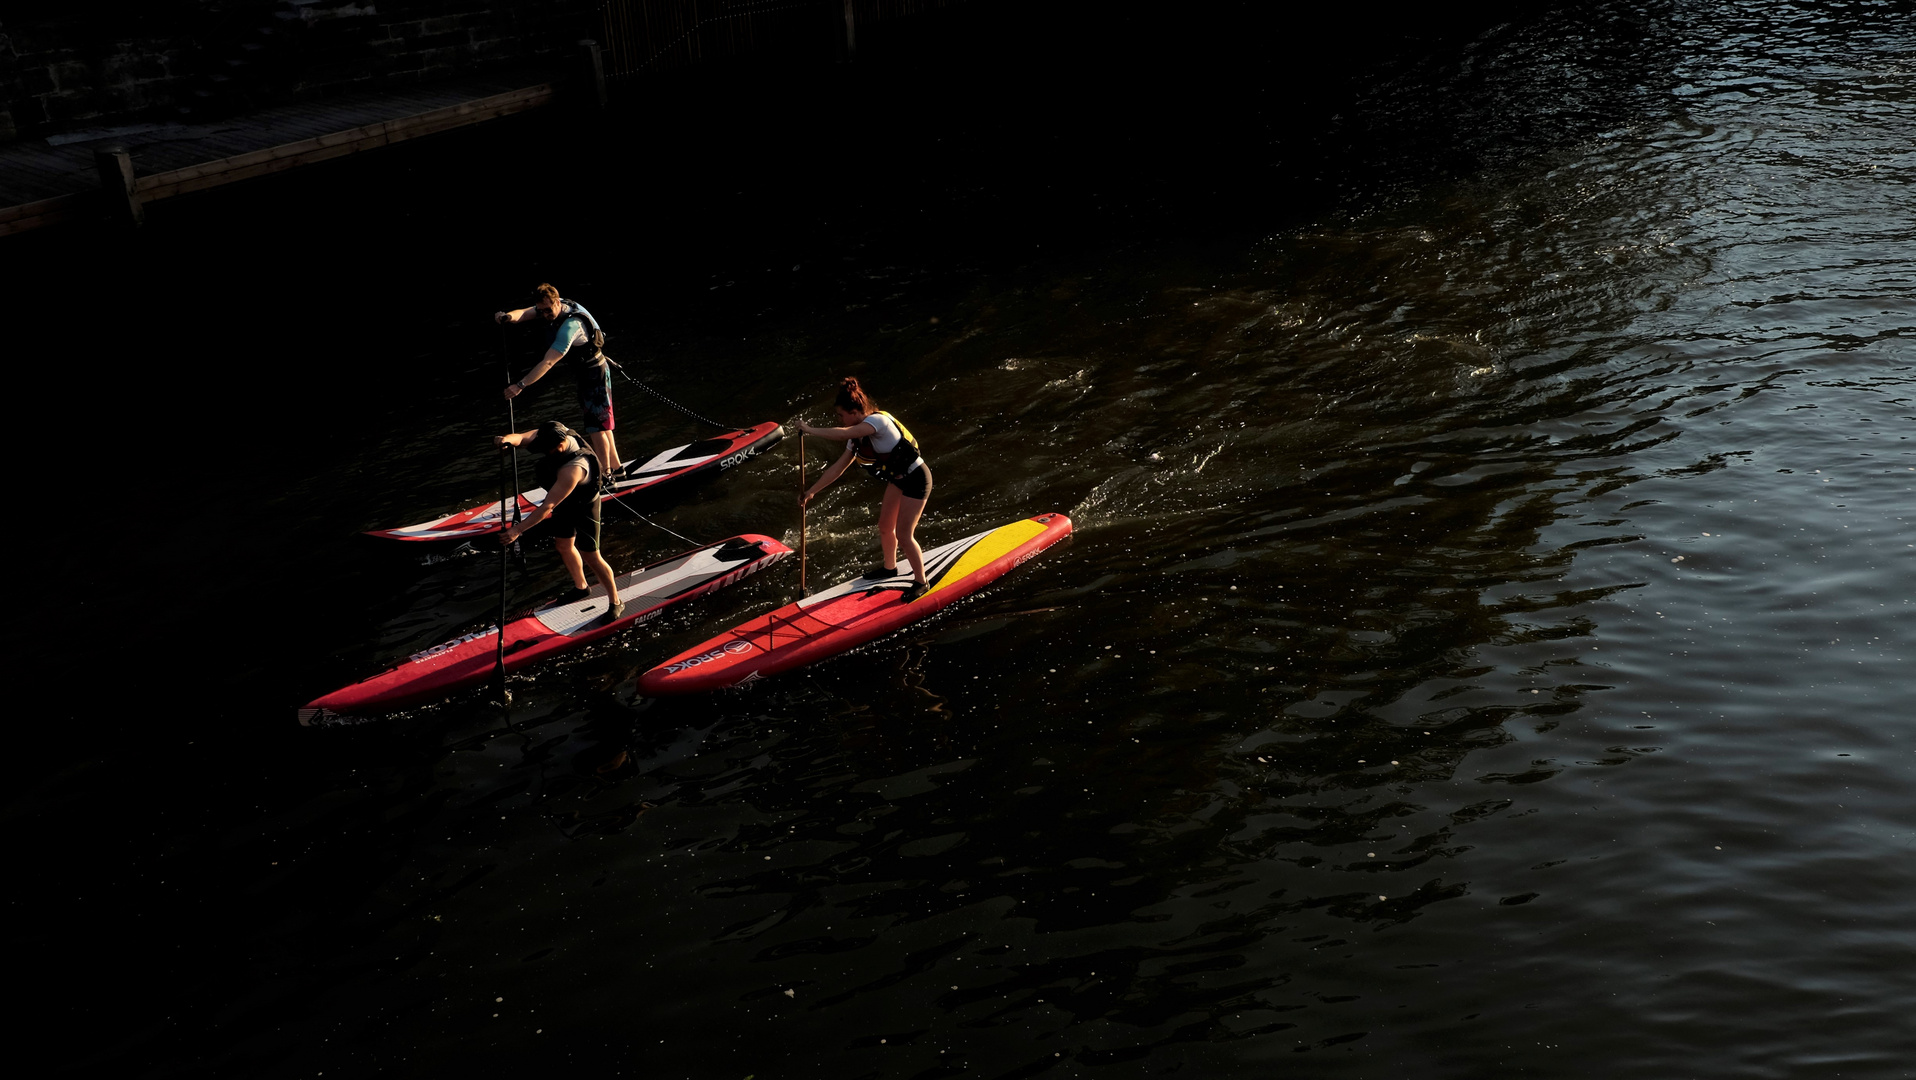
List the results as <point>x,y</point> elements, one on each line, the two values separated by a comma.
<point>748,452</point>
<point>437,650</point>
<point>732,647</point>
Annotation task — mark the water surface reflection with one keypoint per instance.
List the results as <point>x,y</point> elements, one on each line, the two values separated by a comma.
<point>1479,649</point>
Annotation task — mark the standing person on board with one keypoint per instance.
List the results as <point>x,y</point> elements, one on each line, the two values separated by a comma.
<point>577,336</point>
<point>883,447</point>
<point>570,473</point>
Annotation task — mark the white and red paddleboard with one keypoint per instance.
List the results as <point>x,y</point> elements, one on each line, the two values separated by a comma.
<point>852,613</point>
<point>471,660</point>
<point>703,458</point>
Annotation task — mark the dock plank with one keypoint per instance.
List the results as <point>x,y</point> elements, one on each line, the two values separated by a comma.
<point>43,184</point>
<point>35,215</point>
<point>335,144</point>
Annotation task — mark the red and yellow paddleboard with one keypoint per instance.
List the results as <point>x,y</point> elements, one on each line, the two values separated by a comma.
<point>853,612</point>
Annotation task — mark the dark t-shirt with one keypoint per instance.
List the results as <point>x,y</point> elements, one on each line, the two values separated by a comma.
<point>572,339</point>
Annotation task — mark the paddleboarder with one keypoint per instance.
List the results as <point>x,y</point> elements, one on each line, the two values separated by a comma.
<point>878,443</point>
<point>569,472</point>
<point>576,336</point>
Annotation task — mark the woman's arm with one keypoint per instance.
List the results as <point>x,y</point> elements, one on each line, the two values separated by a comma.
<point>831,474</point>
<point>856,431</point>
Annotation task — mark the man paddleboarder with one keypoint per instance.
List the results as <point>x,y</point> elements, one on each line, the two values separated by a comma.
<point>570,473</point>
<point>578,340</point>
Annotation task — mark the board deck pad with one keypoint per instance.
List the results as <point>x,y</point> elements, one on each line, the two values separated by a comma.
<point>852,612</point>
<point>668,467</point>
<point>472,659</point>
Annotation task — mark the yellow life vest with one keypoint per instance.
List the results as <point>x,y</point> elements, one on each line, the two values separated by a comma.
<point>893,464</point>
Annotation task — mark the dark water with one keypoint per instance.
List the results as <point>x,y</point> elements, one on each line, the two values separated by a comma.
<point>1484,649</point>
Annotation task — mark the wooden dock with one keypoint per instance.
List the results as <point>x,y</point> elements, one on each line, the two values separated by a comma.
<point>75,177</point>
<point>110,174</point>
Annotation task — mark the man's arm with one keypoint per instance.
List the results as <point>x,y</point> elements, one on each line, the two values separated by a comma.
<point>562,485</point>
<point>570,330</point>
<point>517,315</point>
<point>538,372</point>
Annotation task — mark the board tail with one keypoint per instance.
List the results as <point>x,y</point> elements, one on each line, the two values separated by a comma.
<point>853,612</point>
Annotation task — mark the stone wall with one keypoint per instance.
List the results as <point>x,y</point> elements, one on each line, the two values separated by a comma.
<point>100,63</point>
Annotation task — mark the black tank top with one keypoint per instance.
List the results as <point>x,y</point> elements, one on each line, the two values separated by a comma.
<point>580,502</point>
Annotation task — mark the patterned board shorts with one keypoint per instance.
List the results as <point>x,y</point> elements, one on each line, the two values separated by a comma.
<point>595,399</point>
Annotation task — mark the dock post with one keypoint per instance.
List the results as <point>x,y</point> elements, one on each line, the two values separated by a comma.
<point>592,70</point>
<point>116,182</point>
<point>846,39</point>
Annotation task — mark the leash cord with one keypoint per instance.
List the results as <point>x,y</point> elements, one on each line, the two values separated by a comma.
<point>650,522</point>
<point>666,401</point>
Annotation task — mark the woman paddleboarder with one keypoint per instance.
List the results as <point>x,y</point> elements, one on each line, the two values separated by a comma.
<point>883,447</point>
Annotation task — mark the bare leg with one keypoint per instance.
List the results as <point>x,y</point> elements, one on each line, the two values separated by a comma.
<point>606,449</point>
<point>569,555</point>
<point>888,528</point>
<point>603,571</point>
<point>902,515</point>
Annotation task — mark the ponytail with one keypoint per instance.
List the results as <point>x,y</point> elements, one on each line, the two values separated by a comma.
<point>852,397</point>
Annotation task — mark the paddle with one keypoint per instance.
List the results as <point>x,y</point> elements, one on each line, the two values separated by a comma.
<point>512,424</point>
<point>505,557</point>
<point>802,591</point>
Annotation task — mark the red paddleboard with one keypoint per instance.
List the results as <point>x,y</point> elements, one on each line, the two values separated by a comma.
<point>471,660</point>
<point>679,464</point>
<point>852,613</point>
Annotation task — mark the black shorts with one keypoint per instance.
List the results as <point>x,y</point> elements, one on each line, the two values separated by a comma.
<point>582,529</point>
<point>916,483</point>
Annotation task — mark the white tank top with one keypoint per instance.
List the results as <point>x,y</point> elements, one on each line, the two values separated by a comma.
<point>884,433</point>
<point>885,436</point>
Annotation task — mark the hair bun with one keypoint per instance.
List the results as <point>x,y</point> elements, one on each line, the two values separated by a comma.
<point>852,397</point>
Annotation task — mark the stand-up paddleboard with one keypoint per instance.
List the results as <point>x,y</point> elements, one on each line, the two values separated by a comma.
<point>472,659</point>
<point>683,463</point>
<point>852,613</point>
